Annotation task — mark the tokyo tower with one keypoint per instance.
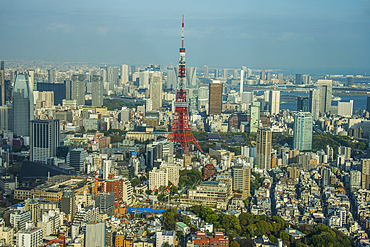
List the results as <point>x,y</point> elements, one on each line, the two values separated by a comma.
<point>180,130</point>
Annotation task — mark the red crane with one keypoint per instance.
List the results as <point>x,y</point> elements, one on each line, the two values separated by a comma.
<point>180,130</point>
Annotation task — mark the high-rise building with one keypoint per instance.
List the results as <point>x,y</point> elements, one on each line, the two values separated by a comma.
<point>144,79</point>
<point>205,71</point>
<point>44,139</point>
<point>22,105</point>
<point>61,90</point>
<point>314,101</point>
<point>156,90</point>
<point>191,76</point>
<point>216,73</point>
<point>31,237</point>
<point>263,75</point>
<point>2,82</point>
<point>306,79</point>
<point>298,79</point>
<point>241,82</point>
<point>124,74</point>
<point>325,95</point>
<point>226,73</point>
<point>247,98</point>
<point>52,77</point>
<point>264,141</point>
<point>274,102</point>
<point>302,136</point>
<point>368,104</point>
<point>235,74</point>
<point>255,117</point>
<point>303,104</point>
<point>350,80</point>
<point>75,158</point>
<point>215,98</point>
<point>242,180</point>
<point>112,77</point>
<point>97,90</point>
<point>78,89</point>
<point>95,234</point>
<point>6,118</point>
<point>171,78</point>
<point>345,109</point>
<point>104,73</point>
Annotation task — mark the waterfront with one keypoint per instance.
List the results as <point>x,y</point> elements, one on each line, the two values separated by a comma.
<point>359,102</point>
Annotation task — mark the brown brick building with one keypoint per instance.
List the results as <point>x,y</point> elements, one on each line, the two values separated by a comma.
<point>215,98</point>
<point>219,239</point>
<point>208,171</point>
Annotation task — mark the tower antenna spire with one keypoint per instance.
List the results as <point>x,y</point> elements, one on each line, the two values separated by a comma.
<point>180,130</point>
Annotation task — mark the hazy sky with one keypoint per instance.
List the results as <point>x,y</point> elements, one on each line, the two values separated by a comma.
<point>257,34</point>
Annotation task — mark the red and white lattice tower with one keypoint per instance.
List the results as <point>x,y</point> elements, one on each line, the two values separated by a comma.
<point>180,130</point>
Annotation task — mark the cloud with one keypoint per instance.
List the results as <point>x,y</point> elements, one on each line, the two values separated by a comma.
<point>59,27</point>
<point>102,31</point>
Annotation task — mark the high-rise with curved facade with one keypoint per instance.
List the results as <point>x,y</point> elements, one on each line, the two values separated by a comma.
<point>22,104</point>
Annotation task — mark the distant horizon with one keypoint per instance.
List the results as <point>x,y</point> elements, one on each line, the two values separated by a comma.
<point>315,71</point>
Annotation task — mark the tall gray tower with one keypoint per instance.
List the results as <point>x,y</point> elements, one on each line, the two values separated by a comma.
<point>22,104</point>
<point>97,90</point>
<point>78,89</point>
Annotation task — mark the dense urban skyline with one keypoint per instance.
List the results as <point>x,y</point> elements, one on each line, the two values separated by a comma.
<point>330,34</point>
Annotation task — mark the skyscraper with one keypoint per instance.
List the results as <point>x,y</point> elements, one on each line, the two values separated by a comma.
<point>112,77</point>
<point>325,95</point>
<point>264,140</point>
<point>274,102</point>
<point>350,80</point>
<point>215,98</point>
<point>263,75</point>
<point>255,117</point>
<point>75,159</point>
<point>156,90</point>
<point>22,105</point>
<point>191,76</point>
<point>144,79</point>
<point>314,102</point>
<point>241,82</point>
<point>2,82</point>
<point>78,89</point>
<point>124,74</point>
<point>52,75</point>
<point>97,90</point>
<point>298,79</point>
<point>226,73</point>
<point>235,74</point>
<point>44,139</point>
<point>302,136</point>
<point>216,73</point>
<point>205,71</point>
<point>303,104</point>
<point>171,78</point>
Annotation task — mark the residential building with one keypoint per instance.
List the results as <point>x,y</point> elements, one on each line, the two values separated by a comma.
<point>274,102</point>
<point>95,234</point>
<point>31,237</point>
<point>264,145</point>
<point>158,178</point>
<point>302,136</point>
<point>162,237</point>
<point>156,90</point>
